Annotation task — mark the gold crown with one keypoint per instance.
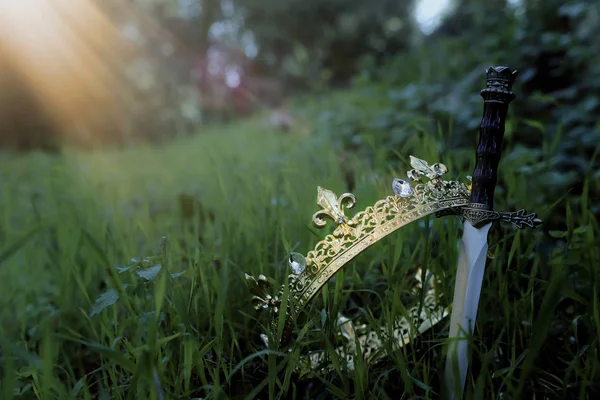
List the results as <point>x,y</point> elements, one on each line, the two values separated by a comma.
<point>352,235</point>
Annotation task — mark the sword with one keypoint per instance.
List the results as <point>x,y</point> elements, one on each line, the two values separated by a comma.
<point>479,216</point>
<point>428,194</point>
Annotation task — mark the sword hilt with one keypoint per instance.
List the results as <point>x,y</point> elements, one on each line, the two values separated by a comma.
<point>497,96</point>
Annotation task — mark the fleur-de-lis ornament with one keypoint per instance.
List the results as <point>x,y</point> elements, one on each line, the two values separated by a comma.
<point>261,299</point>
<point>332,207</point>
<point>422,168</point>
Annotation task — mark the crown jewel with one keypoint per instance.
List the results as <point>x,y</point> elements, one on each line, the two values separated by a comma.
<point>297,263</point>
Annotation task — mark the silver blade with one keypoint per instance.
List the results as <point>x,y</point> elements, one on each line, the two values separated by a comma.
<point>469,277</point>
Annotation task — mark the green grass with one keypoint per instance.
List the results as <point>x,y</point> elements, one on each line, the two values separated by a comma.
<point>186,329</point>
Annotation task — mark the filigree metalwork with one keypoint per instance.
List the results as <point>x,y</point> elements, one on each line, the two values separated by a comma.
<point>369,226</point>
<point>351,236</point>
<point>519,218</point>
<point>261,299</point>
<point>419,318</point>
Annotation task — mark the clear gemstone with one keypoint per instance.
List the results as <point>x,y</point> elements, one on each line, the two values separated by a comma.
<point>265,339</point>
<point>439,168</point>
<point>401,188</point>
<point>297,263</point>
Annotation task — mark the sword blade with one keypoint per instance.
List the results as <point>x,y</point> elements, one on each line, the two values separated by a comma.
<point>467,289</point>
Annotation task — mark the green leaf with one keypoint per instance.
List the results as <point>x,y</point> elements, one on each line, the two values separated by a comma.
<point>106,299</point>
<point>150,317</point>
<point>543,98</point>
<point>124,269</point>
<point>150,273</point>
<point>115,356</point>
<point>558,234</point>
<point>535,124</point>
<point>78,386</point>
<point>336,391</point>
<point>20,242</point>
<point>570,222</point>
<point>160,289</point>
<point>178,274</point>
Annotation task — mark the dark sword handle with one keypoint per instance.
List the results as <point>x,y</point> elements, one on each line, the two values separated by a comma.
<point>497,96</point>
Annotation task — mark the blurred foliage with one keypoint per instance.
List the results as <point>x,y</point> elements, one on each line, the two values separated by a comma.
<point>555,46</point>
<point>376,45</point>
<point>321,41</point>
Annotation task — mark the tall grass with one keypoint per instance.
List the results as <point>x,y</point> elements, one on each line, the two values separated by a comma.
<point>82,319</point>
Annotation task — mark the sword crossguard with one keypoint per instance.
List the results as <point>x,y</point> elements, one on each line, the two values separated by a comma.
<point>478,216</point>
<point>518,218</point>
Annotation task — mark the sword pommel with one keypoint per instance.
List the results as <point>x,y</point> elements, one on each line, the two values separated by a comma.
<point>499,85</point>
<point>497,96</point>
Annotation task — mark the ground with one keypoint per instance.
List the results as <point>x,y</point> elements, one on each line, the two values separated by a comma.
<point>80,319</point>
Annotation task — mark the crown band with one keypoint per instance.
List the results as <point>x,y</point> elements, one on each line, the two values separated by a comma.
<point>376,222</point>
